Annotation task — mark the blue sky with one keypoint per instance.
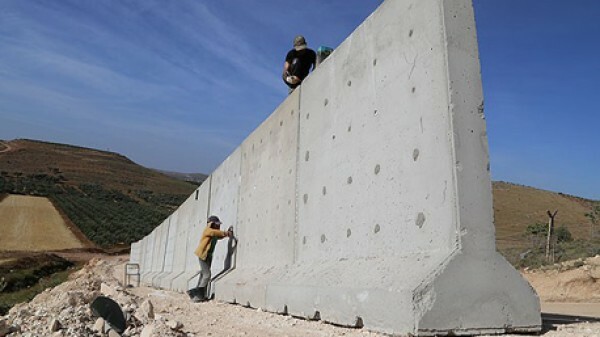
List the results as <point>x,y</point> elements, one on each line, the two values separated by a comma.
<point>178,85</point>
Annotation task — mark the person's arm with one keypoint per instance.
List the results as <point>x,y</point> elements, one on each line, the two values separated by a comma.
<point>286,67</point>
<point>218,233</point>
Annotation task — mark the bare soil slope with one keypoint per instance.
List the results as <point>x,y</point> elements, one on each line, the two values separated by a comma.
<point>33,224</point>
<point>516,207</point>
<point>571,281</point>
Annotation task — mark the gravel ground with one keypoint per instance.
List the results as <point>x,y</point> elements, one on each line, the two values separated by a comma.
<point>64,311</point>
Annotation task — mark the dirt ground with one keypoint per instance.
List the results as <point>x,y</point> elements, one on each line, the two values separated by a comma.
<point>220,319</point>
<point>173,315</point>
<point>574,281</point>
<point>33,224</point>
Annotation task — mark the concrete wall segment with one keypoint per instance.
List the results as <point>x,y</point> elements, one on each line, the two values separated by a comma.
<point>365,198</point>
<point>180,241</point>
<point>135,252</point>
<point>223,202</point>
<point>158,260</point>
<point>148,257</point>
<point>268,193</point>
<point>193,217</point>
<point>169,257</point>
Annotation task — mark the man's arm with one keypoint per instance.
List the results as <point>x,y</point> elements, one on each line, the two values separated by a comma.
<point>286,67</point>
<point>218,233</point>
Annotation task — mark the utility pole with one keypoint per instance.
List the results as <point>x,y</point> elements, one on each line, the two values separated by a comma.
<point>550,256</point>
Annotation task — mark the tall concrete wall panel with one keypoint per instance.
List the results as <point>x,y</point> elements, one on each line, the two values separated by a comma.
<point>267,213</point>
<point>365,198</point>
<point>160,246</point>
<point>148,256</point>
<point>135,254</point>
<point>193,216</point>
<point>169,258</point>
<point>224,200</point>
<point>181,218</point>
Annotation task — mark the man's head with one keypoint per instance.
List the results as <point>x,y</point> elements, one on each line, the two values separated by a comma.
<point>214,222</point>
<point>299,42</point>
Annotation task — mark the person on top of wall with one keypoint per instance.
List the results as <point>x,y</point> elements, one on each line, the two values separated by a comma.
<point>298,63</point>
<point>206,247</point>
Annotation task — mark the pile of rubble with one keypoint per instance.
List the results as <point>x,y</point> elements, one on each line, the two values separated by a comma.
<point>590,264</point>
<point>65,310</point>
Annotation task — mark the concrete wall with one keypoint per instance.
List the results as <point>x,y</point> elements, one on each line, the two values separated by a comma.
<point>365,198</point>
<point>193,215</point>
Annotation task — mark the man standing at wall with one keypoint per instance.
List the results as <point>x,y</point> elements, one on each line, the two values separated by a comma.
<point>298,63</point>
<point>206,247</point>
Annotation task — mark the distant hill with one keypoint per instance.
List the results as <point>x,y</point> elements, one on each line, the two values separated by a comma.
<point>109,197</point>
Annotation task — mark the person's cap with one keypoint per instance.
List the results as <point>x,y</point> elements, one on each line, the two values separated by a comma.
<point>214,219</point>
<point>299,42</point>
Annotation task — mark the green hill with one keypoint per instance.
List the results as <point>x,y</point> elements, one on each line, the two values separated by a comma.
<point>109,197</point>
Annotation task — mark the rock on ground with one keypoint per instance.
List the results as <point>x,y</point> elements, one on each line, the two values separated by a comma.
<point>151,312</point>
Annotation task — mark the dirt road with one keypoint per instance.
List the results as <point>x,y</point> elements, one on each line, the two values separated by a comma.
<point>4,147</point>
<point>33,224</point>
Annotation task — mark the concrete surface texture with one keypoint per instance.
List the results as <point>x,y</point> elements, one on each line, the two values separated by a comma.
<point>365,198</point>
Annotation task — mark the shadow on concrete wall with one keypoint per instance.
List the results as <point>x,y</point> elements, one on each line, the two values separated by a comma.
<point>229,263</point>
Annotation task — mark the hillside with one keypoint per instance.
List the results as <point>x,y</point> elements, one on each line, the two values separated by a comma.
<point>517,206</point>
<point>109,197</point>
<point>197,178</point>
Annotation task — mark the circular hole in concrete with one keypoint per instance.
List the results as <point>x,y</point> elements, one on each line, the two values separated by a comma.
<point>349,180</point>
<point>333,137</point>
<point>377,168</point>
<point>307,156</point>
<point>349,128</point>
<point>413,89</point>
<point>374,62</point>
<point>420,220</point>
<point>376,229</point>
<point>326,102</point>
<point>307,116</point>
<point>324,190</point>
<point>410,33</point>
<point>348,232</point>
<point>375,112</point>
<point>349,83</point>
<point>323,238</point>
<point>416,154</point>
